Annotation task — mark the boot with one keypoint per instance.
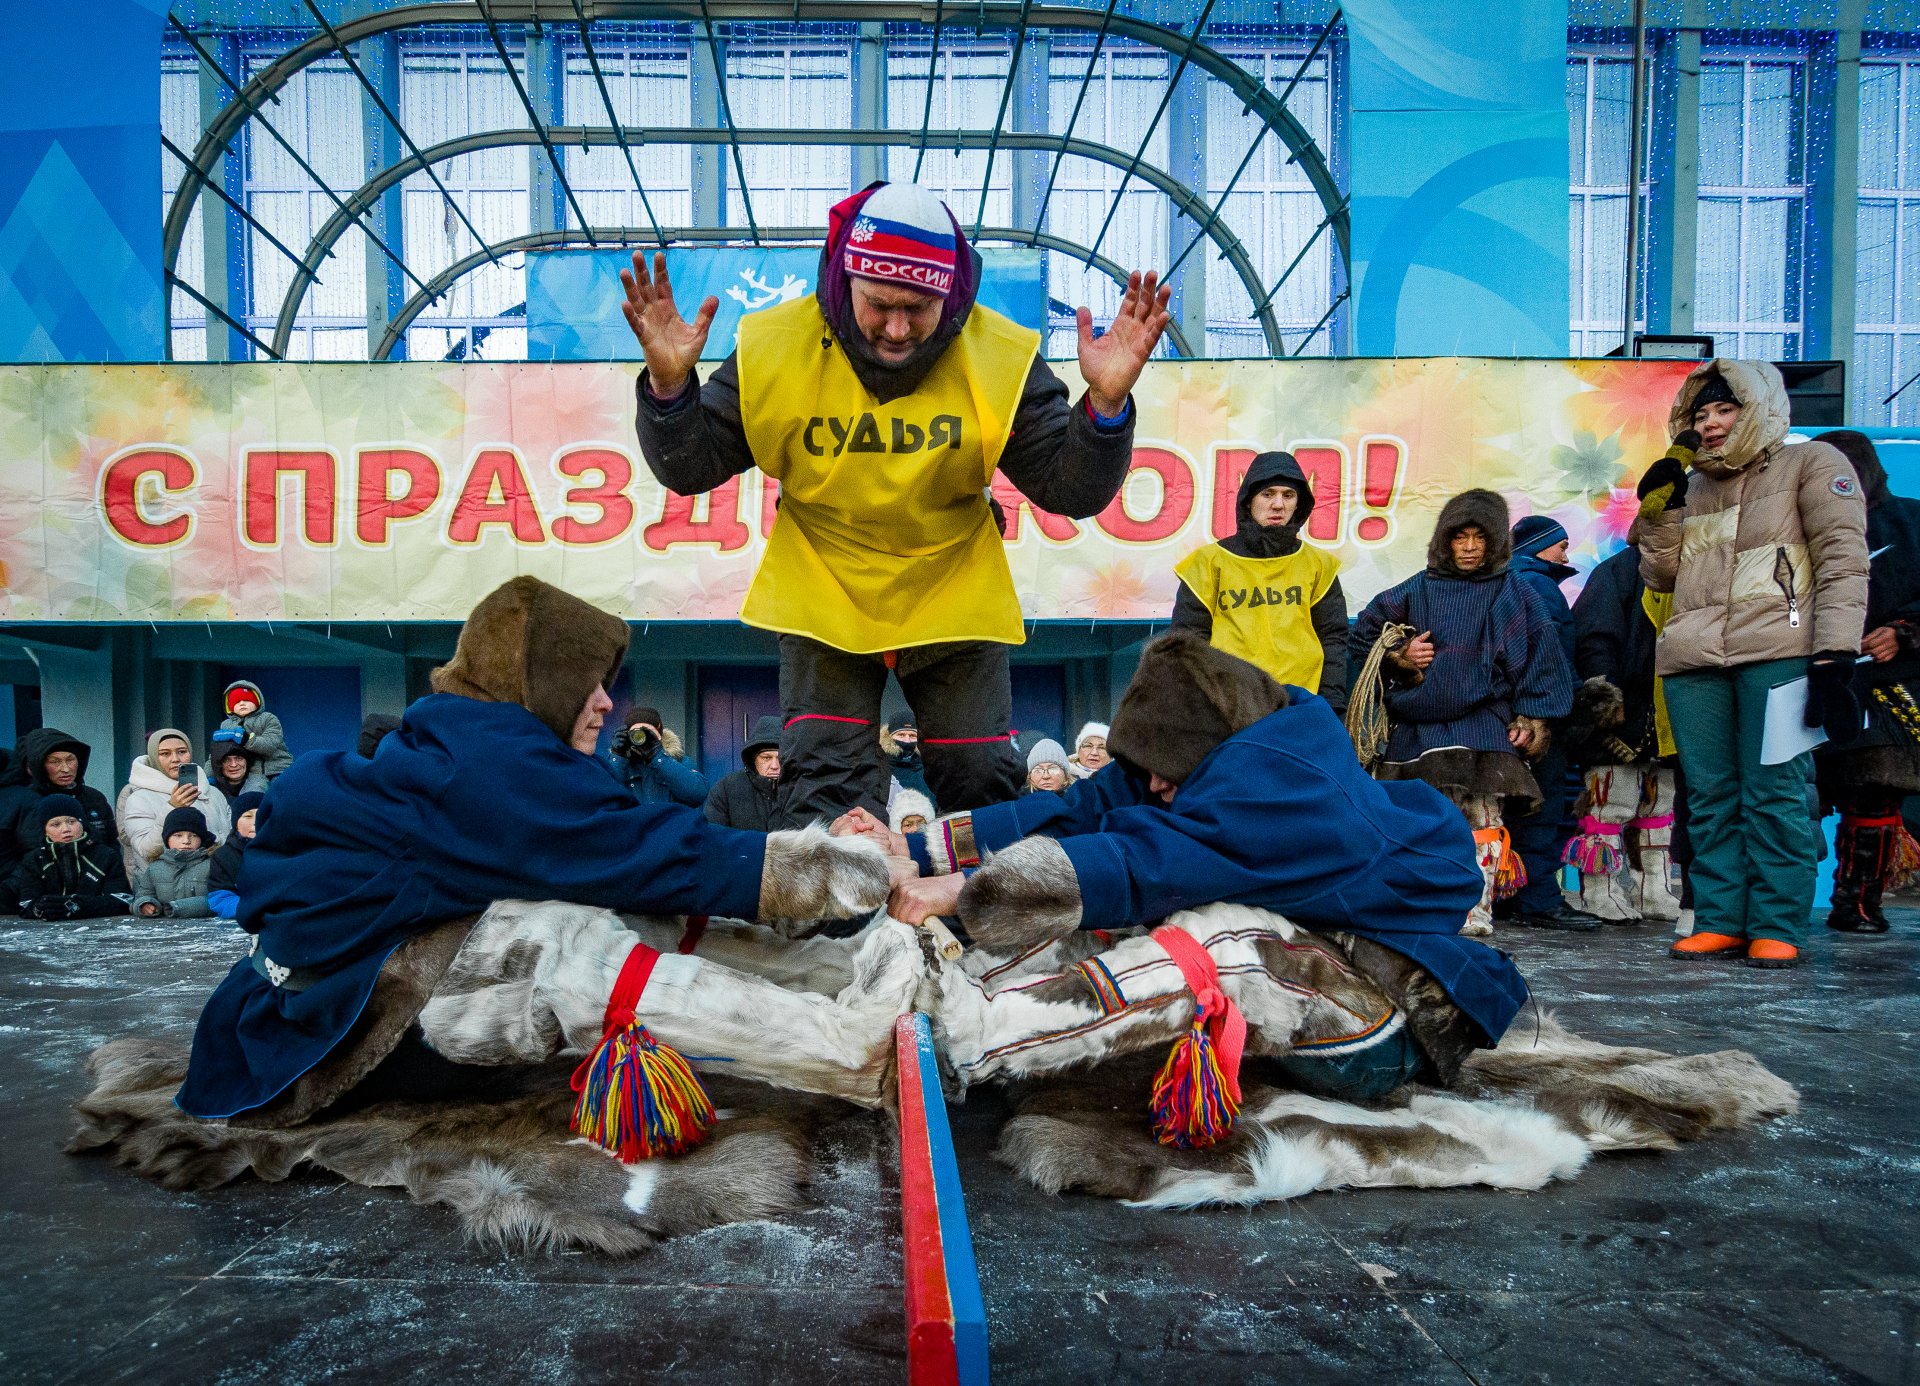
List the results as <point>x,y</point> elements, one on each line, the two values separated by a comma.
<point>1490,845</point>
<point>1865,848</point>
<point>1605,890</point>
<point>1652,852</point>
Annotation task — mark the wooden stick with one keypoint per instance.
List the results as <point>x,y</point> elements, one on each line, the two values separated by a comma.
<point>943,939</point>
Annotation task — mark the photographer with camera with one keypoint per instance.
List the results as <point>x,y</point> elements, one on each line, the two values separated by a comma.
<point>651,762</point>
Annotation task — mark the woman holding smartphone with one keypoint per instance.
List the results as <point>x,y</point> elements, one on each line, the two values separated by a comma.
<point>162,780</point>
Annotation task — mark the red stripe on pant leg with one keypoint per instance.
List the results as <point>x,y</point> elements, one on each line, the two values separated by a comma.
<point>966,740</point>
<point>827,717</point>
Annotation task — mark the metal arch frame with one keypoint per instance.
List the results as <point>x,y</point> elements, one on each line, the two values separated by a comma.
<point>542,240</point>
<point>1253,93</point>
<point>1188,203</point>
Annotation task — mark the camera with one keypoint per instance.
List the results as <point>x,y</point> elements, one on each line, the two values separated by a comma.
<point>632,744</point>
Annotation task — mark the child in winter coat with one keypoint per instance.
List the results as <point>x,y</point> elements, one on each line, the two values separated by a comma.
<point>261,735</point>
<point>177,881</point>
<point>223,870</point>
<point>71,875</point>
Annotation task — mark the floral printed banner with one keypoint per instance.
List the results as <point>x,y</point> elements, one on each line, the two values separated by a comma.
<point>305,492</point>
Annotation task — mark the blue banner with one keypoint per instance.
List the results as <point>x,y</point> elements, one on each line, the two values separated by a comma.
<point>1459,185</point>
<point>573,296</point>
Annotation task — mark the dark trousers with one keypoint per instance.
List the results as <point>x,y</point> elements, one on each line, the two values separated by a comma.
<point>1537,837</point>
<point>830,760</point>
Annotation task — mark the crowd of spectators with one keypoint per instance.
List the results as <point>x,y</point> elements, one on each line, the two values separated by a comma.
<point>1620,736</point>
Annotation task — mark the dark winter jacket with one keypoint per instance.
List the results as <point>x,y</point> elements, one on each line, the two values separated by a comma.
<point>72,880</point>
<point>1496,657</point>
<point>1542,580</point>
<point>468,803</point>
<point>223,875</point>
<point>745,799</point>
<point>1057,455</point>
<point>177,880</point>
<point>1613,640</point>
<point>261,735</point>
<point>1251,540</point>
<point>1280,816</point>
<point>25,784</point>
<point>904,762</point>
<point>663,777</point>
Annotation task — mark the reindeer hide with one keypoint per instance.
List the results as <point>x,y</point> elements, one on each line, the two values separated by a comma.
<point>1520,1116</point>
<point>508,1167</point>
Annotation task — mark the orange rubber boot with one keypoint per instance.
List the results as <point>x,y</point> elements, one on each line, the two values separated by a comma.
<point>1772,952</point>
<point>1707,946</point>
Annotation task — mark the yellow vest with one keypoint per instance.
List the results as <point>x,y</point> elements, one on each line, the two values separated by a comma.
<point>1263,607</point>
<point>884,538</point>
<point>1659,607</point>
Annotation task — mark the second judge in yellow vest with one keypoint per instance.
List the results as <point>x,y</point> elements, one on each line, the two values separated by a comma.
<point>1263,595</point>
<point>883,403</point>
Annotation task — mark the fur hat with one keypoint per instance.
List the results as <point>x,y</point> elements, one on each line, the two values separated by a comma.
<point>186,820</point>
<point>1185,699</point>
<point>907,803</point>
<point>52,806</point>
<point>155,738</point>
<point>1488,511</point>
<point>530,643</point>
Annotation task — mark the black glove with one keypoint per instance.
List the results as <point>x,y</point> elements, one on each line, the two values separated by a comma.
<point>1831,705</point>
<point>1668,471</point>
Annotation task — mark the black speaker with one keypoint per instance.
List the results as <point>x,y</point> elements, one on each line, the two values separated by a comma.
<point>1816,392</point>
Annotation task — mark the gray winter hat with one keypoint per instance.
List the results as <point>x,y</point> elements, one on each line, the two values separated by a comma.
<point>1047,751</point>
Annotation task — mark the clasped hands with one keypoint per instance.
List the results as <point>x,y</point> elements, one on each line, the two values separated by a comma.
<point>915,898</point>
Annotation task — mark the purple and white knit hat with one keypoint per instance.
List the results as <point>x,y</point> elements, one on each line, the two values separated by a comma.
<point>903,234</point>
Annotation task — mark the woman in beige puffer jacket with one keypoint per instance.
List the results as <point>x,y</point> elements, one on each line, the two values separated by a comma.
<point>1763,546</point>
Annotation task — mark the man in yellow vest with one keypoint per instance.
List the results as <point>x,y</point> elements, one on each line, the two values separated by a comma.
<point>882,404</point>
<point>1263,595</point>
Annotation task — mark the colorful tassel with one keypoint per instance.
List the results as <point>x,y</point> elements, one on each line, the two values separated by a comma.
<point>1905,865</point>
<point>1196,1097</point>
<point>1510,875</point>
<point>1192,1108</point>
<point>638,1097</point>
<point>1596,852</point>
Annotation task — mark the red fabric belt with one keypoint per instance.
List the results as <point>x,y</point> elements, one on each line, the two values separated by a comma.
<point>1226,1027</point>
<point>632,981</point>
<point>696,930</point>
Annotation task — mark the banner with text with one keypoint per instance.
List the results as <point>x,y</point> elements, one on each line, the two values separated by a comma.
<point>317,492</point>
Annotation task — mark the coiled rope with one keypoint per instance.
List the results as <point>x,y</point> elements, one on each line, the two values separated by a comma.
<point>1367,702</point>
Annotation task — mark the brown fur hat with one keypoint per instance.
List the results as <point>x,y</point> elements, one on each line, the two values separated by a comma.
<point>1488,510</point>
<point>532,644</point>
<point>1186,698</point>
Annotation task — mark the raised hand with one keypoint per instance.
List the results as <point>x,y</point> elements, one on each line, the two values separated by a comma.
<point>1111,362</point>
<point>672,345</point>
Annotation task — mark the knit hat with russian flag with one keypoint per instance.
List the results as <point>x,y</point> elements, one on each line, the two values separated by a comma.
<point>904,235</point>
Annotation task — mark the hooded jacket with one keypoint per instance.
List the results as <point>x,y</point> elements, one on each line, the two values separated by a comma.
<point>81,879</point>
<point>143,806</point>
<point>261,735</point>
<point>25,784</point>
<point>1497,655</point>
<point>1542,578</point>
<point>1257,541</point>
<point>1058,456</point>
<point>1614,640</point>
<point>746,798</point>
<point>178,880</point>
<point>1767,559</point>
<point>1277,814</point>
<point>476,798</point>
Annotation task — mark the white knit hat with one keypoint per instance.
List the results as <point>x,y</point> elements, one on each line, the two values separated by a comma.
<point>907,803</point>
<point>1098,729</point>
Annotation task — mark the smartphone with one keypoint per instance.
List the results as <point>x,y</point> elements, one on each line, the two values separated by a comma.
<point>188,774</point>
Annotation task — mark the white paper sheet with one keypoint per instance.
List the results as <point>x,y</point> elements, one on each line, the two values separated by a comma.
<point>1787,734</point>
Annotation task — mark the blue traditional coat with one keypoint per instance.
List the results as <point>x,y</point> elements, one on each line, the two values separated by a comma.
<point>467,803</point>
<point>1282,817</point>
